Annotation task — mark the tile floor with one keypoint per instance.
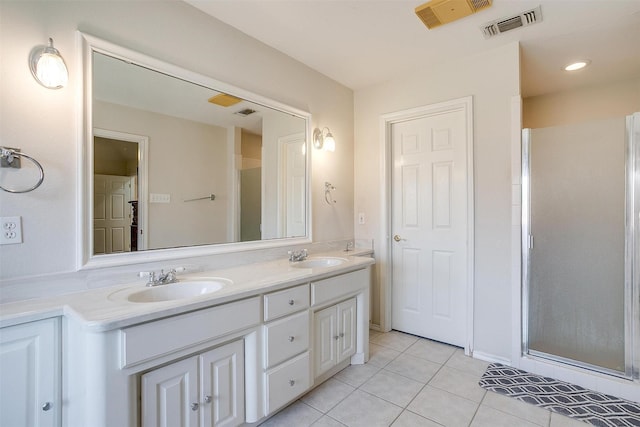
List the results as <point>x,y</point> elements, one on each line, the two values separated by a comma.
<point>412,382</point>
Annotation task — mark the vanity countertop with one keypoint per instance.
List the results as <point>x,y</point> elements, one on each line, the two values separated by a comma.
<point>107,308</point>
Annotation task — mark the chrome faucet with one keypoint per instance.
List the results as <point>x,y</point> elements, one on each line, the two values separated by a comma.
<point>295,256</point>
<point>162,278</point>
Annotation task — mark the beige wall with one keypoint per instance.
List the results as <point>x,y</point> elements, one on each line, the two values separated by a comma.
<point>44,123</point>
<point>492,79</point>
<point>614,99</point>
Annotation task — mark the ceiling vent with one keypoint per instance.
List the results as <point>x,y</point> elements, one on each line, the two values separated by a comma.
<point>246,112</point>
<point>500,26</point>
<point>440,12</point>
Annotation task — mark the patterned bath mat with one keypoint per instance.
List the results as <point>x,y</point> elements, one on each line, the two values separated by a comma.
<point>567,399</point>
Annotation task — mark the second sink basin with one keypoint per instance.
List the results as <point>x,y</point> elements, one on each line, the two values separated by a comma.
<point>180,290</point>
<point>319,262</point>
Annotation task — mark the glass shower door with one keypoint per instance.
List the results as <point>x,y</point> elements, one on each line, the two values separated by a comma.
<point>576,245</point>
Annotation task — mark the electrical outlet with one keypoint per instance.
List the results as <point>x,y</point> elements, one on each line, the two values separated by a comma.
<point>10,230</point>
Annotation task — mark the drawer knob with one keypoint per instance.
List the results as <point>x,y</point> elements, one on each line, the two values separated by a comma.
<point>292,383</point>
<point>208,399</point>
<point>291,338</point>
<point>47,406</point>
<point>291,302</point>
<point>195,406</point>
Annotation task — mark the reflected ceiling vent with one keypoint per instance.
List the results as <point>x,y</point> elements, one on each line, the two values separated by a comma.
<point>224,100</point>
<point>500,26</point>
<point>246,112</point>
<point>440,12</point>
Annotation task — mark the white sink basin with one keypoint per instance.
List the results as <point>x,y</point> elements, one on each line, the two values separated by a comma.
<point>319,262</point>
<point>180,290</point>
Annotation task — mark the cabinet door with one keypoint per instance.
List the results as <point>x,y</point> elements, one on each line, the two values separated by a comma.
<point>168,394</point>
<point>30,372</point>
<point>222,383</point>
<point>346,329</point>
<point>325,324</point>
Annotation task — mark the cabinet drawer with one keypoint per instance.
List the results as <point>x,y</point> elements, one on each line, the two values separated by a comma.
<point>287,337</point>
<point>281,303</point>
<point>334,288</point>
<point>147,341</point>
<point>287,382</point>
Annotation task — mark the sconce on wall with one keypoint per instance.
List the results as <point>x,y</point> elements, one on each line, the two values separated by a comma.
<point>323,140</point>
<point>48,67</point>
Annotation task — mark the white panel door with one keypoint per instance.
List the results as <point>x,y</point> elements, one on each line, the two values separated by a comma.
<point>111,214</point>
<point>429,226</point>
<point>222,383</point>
<point>294,188</point>
<point>30,375</point>
<point>168,394</point>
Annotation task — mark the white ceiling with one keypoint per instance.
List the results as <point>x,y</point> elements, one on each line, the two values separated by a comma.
<point>360,43</point>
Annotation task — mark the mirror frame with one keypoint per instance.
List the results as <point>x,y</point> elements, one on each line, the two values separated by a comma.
<point>85,259</point>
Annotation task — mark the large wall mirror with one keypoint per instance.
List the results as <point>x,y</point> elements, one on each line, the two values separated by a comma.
<point>176,164</point>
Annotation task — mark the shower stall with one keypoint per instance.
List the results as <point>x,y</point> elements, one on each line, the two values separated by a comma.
<point>581,245</point>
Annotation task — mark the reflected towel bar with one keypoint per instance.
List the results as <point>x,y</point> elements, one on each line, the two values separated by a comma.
<point>209,197</point>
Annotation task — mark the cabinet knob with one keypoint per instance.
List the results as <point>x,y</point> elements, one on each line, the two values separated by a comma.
<point>291,338</point>
<point>341,334</point>
<point>195,406</point>
<point>208,399</point>
<point>291,302</point>
<point>292,383</point>
<point>47,406</point>
<point>337,337</point>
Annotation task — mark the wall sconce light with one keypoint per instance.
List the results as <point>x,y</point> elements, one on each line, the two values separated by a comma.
<point>48,67</point>
<point>323,140</point>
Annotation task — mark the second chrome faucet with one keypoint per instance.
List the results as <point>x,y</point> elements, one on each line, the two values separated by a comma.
<point>162,278</point>
<point>295,256</point>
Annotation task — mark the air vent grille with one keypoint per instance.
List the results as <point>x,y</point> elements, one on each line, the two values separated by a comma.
<point>428,17</point>
<point>500,26</point>
<point>246,112</point>
<point>480,4</point>
<point>510,24</point>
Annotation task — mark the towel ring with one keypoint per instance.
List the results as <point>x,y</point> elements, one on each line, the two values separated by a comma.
<point>9,155</point>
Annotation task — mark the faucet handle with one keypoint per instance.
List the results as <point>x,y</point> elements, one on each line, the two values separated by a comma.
<point>150,275</point>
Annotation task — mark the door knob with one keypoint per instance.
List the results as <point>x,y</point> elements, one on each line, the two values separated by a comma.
<point>397,238</point>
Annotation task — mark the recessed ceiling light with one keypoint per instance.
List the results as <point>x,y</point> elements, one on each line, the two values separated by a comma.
<point>578,65</point>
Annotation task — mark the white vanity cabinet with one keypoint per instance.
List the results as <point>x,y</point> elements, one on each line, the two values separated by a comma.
<point>30,371</point>
<point>204,390</point>
<point>286,350</point>
<point>335,335</point>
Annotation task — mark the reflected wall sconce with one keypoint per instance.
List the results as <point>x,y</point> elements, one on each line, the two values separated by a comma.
<point>48,67</point>
<point>323,140</point>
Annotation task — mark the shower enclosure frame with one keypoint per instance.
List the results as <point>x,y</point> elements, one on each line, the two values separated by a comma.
<point>631,256</point>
